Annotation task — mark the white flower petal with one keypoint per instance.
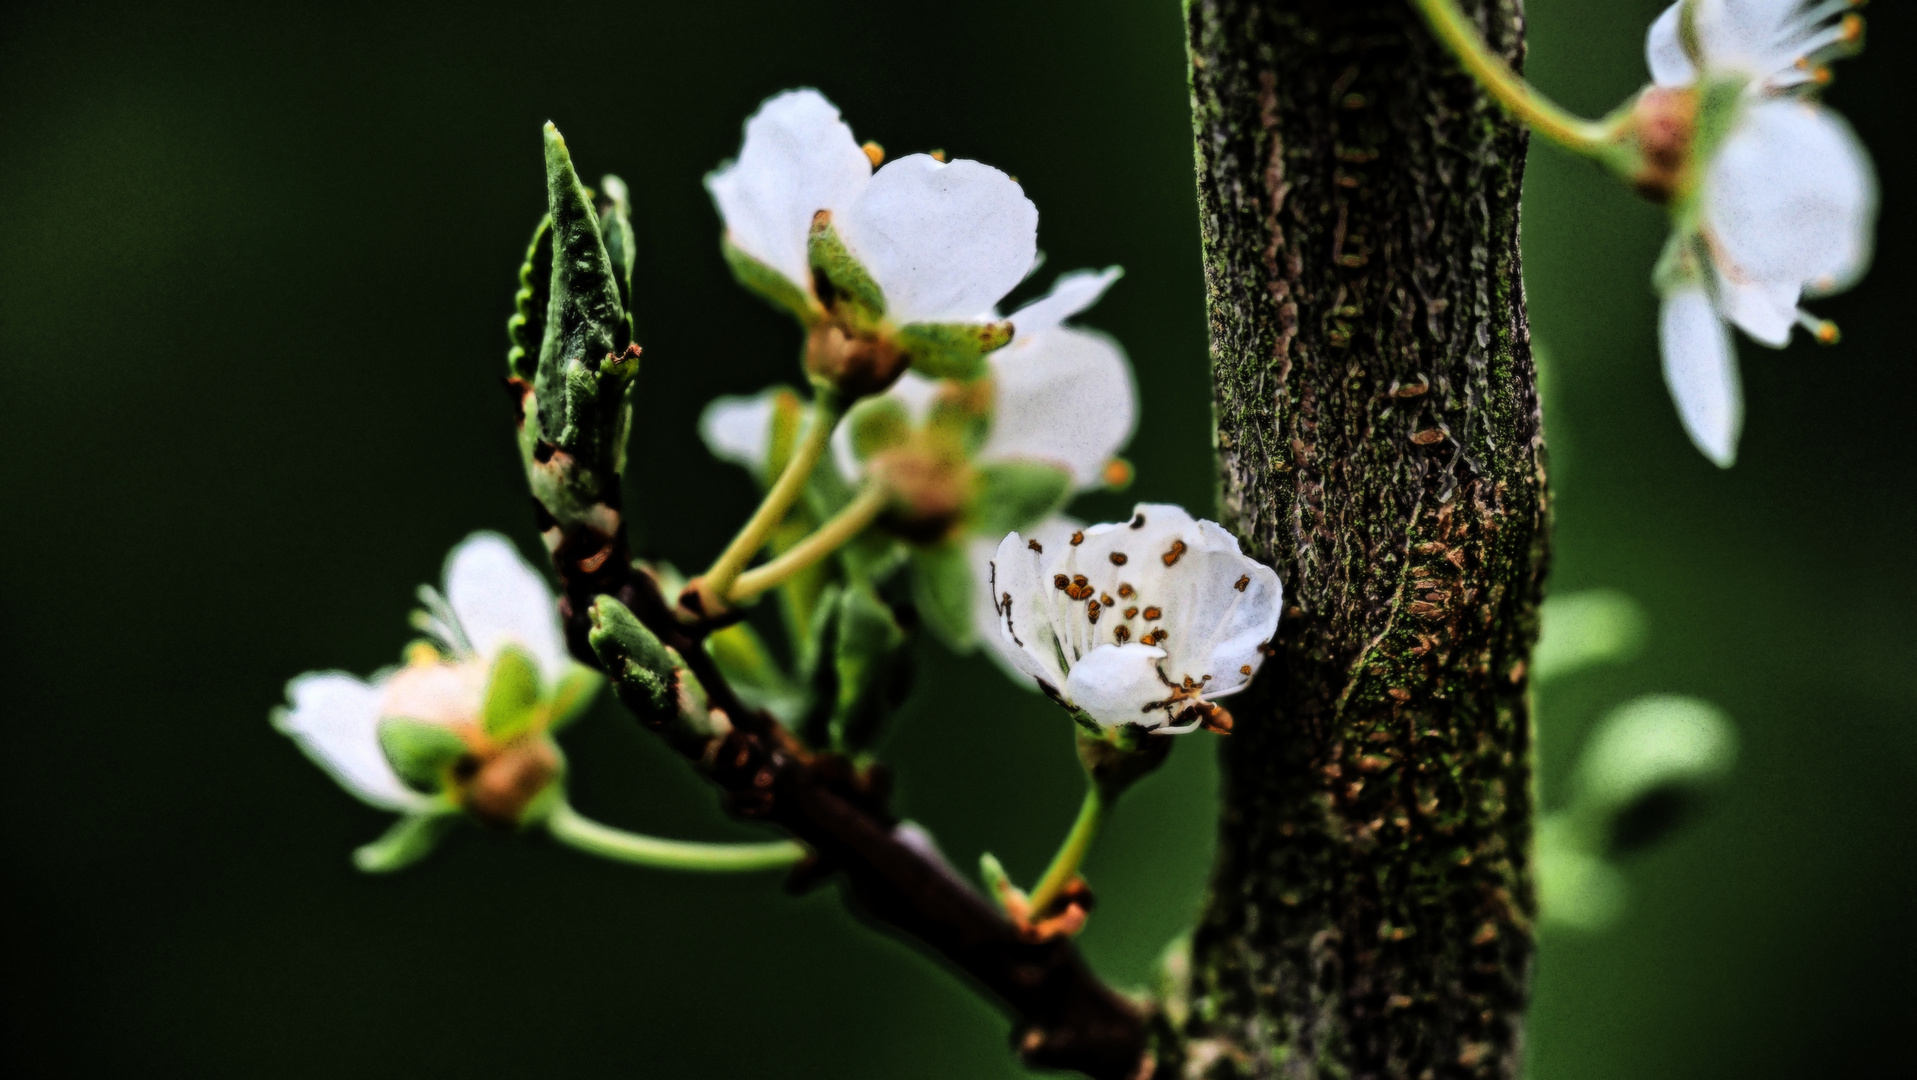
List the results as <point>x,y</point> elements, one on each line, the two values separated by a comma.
<point>1664,53</point>
<point>1071,294</point>
<point>1118,684</point>
<point>1758,38</point>
<point>739,429</point>
<point>335,719</point>
<point>1065,397</point>
<point>500,599</point>
<point>798,158</point>
<point>944,242</point>
<point>1025,620</point>
<point>1700,367</point>
<point>982,552</point>
<point>1790,196</point>
<point>1765,310</point>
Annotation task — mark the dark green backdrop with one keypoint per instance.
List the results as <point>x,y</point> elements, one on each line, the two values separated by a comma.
<point>256,271</point>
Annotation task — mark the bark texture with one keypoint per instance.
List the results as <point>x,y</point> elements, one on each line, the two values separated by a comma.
<point>1379,443</point>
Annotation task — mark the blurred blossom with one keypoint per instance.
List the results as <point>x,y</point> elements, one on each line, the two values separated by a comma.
<point>1137,624</point>
<point>1773,195</point>
<point>465,722</point>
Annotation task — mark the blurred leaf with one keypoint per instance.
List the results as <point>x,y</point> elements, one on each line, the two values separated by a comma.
<point>1582,629</point>
<point>1576,888</point>
<point>574,694</point>
<point>615,225</point>
<point>1648,767</point>
<point>409,840</point>
<point>1017,495</point>
<point>942,589</point>
<point>871,665</point>
<point>754,673</point>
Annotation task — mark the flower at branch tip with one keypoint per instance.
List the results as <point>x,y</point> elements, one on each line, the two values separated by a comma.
<point>1772,195</point>
<point>1140,624</point>
<point>886,269</point>
<point>465,723</point>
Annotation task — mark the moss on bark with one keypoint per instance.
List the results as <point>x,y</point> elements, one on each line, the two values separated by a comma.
<point>1379,443</point>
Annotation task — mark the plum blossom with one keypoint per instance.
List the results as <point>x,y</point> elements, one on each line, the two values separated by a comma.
<point>1140,624</point>
<point>1781,204</point>
<point>940,242</point>
<point>489,688</point>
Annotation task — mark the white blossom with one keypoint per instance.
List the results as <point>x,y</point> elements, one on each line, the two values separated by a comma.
<point>1141,623</point>
<point>492,600</point>
<point>1061,395</point>
<point>943,241</point>
<point>1785,206</point>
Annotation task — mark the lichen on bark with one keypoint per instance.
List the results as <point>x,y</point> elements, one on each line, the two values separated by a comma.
<point>1379,443</point>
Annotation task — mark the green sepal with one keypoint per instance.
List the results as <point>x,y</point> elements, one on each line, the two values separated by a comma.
<point>421,752</point>
<point>622,250</point>
<point>527,327</point>
<point>642,669</point>
<point>952,350</point>
<point>1584,629</point>
<point>512,694</point>
<point>585,369</point>
<point>942,588</point>
<point>1016,495</point>
<point>959,417</point>
<point>877,423</point>
<point>855,296</point>
<point>869,671</point>
<point>573,696</point>
<point>768,284</point>
<point>409,840</point>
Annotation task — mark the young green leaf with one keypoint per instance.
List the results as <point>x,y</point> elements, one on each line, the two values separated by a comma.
<point>527,326</point>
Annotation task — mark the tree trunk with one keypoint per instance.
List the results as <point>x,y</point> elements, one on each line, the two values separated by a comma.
<point>1379,443</point>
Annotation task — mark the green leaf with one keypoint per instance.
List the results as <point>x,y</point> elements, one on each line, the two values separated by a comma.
<point>753,672</point>
<point>1576,887</point>
<point>1583,629</point>
<point>854,295</point>
<point>585,369</point>
<point>952,350</point>
<point>768,284</point>
<point>615,225</point>
<point>878,423</point>
<point>872,668</point>
<point>1649,766</point>
<point>1016,495</point>
<point>410,839</point>
<point>643,671</point>
<point>421,752</point>
<point>512,694</point>
<point>527,326</point>
<point>942,587</point>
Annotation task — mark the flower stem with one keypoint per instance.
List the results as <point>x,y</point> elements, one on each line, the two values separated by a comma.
<point>823,541</point>
<point>827,407</point>
<point>1091,813</point>
<point>1543,115</point>
<point>568,826</point>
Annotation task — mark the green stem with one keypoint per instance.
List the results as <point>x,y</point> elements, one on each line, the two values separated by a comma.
<point>1540,113</point>
<point>827,407</point>
<point>823,541</point>
<point>1071,853</point>
<point>569,827</point>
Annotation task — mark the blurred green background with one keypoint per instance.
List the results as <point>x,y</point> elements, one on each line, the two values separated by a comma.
<point>257,267</point>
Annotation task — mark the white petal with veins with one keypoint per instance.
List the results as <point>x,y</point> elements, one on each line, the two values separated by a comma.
<point>944,242</point>
<point>501,600</point>
<point>335,718</point>
<point>798,158</point>
<point>1790,196</point>
<point>1064,397</point>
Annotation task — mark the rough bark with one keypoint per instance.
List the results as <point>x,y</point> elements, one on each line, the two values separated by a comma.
<point>1379,443</point>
